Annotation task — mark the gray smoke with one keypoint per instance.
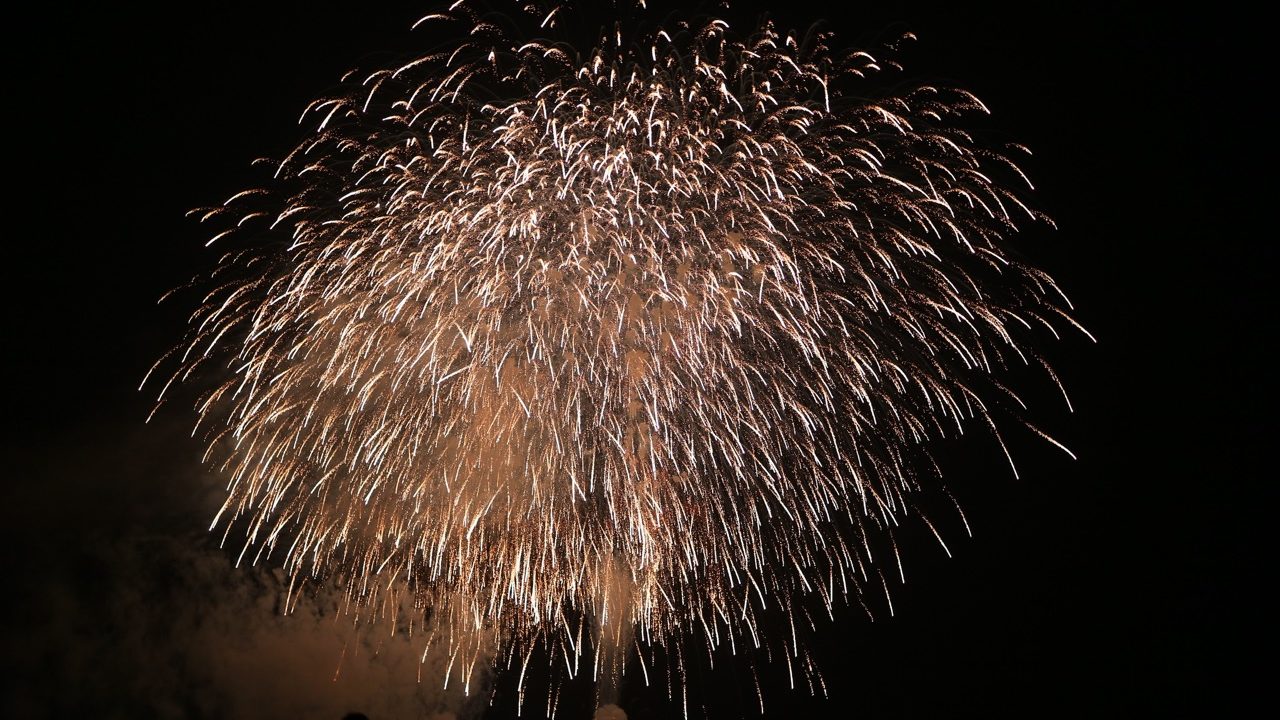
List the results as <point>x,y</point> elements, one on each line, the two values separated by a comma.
<point>126,607</point>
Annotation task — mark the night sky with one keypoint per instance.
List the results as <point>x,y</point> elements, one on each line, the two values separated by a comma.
<point>1128,583</point>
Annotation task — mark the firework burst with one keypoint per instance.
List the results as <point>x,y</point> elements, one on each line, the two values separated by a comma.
<point>568,344</point>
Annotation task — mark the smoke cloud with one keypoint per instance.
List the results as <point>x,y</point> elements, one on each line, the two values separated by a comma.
<point>128,609</point>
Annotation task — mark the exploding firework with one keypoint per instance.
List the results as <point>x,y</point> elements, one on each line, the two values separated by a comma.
<point>609,347</point>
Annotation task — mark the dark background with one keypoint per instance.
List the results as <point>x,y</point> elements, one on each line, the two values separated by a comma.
<point>1128,583</point>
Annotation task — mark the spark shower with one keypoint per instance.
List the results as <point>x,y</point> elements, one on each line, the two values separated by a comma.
<point>611,348</point>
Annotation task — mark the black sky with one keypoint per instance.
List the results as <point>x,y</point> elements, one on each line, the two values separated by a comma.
<point>1128,583</point>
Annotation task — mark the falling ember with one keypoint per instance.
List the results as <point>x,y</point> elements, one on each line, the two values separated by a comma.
<point>608,349</point>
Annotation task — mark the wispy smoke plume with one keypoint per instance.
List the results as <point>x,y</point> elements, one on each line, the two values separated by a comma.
<point>132,611</point>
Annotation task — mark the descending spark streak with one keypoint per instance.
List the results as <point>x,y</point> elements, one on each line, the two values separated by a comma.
<point>650,334</point>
